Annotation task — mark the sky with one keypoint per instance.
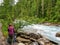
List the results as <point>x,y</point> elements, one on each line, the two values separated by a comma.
<point>16,1</point>
<point>1,1</point>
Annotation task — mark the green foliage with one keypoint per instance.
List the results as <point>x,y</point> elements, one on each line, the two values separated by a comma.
<point>29,9</point>
<point>19,24</point>
<point>5,28</point>
<point>32,11</point>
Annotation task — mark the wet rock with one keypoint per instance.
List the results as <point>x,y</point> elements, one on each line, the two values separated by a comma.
<point>33,39</point>
<point>19,39</point>
<point>31,36</point>
<point>40,36</point>
<point>21,44</point>
<point>43,41</point>
<point>15,43</point>
<point>35,36</point>
<point>34,43</point>
<point>47,24</point>
<point>22,33</point>
<point>58,34</point>
<point>59,25</point>
<point>26,43</point>
<point>24,36</point>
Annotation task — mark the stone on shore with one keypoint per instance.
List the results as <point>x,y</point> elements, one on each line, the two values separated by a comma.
<point>21,44</point>
<point>19,39</point>
<point>58,34</point>
<point>33,39</point>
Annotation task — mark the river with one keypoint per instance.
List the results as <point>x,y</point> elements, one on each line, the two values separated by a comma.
<point>48,31</point>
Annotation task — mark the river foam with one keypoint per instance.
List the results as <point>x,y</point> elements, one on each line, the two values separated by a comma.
<point>47,31</point>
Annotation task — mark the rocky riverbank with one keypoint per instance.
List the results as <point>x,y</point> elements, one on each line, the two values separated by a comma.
<point>25,38</point>
<point>32,39</point>
<point>51,24</point>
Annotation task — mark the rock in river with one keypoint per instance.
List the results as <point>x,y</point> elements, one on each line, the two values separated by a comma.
<point>58,34</point>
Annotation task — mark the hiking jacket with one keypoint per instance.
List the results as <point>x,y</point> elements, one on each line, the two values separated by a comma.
<point>10,30</point>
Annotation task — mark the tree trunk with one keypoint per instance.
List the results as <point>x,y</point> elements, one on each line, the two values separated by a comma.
<point>42,8</point>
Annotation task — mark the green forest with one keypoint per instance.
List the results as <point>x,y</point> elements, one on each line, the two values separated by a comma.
<point>38,10</point>
<point>33,11</point>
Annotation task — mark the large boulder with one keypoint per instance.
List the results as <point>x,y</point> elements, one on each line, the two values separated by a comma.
<point>32,39</point>
<point>58,34</point>
<point>44,41</point>
<point>35,36</point>
<point>19,39</point>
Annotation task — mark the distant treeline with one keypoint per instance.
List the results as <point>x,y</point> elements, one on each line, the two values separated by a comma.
<point>42,9</point>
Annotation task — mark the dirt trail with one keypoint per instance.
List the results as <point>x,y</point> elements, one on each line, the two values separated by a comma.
<point>2,38</point>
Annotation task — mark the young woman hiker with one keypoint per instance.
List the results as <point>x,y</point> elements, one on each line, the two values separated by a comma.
<point>11,33</point>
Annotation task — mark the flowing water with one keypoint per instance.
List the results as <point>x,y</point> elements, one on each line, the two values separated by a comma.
<point>47,31</point>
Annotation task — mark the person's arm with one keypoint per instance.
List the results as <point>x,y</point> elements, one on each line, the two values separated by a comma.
<point>14,29</point>
<point>8,29</point>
